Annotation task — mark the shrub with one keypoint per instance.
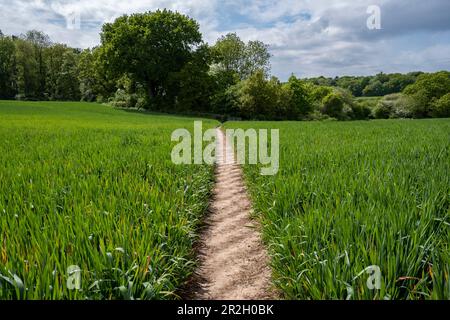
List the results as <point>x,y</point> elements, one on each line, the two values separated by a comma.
<point>257,97</point>
<point>316,115</point>
<point>226,102</point>
<point>21,97</point>
<point>360,111</point>
<point>396,106</point>
<point>383,110</point>
<point>333,105</point>
<point>320,92</point>
<point>123,99</point>
<point>427,89</point>
<point>142,102</point>
<point>301,100</point>
<point>403,106</point>
<point>441,108</point>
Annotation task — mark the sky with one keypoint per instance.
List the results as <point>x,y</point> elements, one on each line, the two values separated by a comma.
<point>306,37</point>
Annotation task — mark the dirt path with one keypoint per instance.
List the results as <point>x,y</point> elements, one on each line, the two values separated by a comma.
<point>233,260</point>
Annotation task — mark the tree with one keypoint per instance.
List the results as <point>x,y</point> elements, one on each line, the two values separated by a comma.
<point>7,68</point>
<point>149,47</point>
<point>374,88</point>
<point>40,42</point>
<point>441,107</point>
<point>333,105</point>
<point>235,56</point>
<point>27,70</point>
<point>395,105</point>
<point>318,93</point>
<point>193,85</point>
<point>427,89</point>
<point>383,110</point>
<point>106,77</point>
<point>258,97</point>
<point>230,51</point>
<point>256,58</point>
<point>301,97</point>
<point>68,79</point>
<point>62,78</point>
<point>87,76</point>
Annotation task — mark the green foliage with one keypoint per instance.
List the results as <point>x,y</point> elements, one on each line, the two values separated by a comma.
<point>8,87</point>
<point>383,110</point>
<point>374,89</point>
<point>234,56</point>
<point>426,89</point>
<point>257,96</point>
<point>379,85</point>
<point>36,69</point>
<point>441,108</point>
<point>62,81</point>
<point>318,93</point>
<point>360,111</point>
<point>301,97</point>
<point>39,42</point>
<point>434,85</point>
<point>123,99</point>
<point>27,75</point>
<point>95,82</point>
<point>87,185</point>
<point>369,102</point>
<point>261,98</point>
<point>257,58</point>
<point>193,85</point>
<point>333,105</point>
<point>226,101</point>
<point>350,195</point>
<point>229,54</point>
<point>395,106</point>
<point>170,69</point>
<point>150,47</point>
<point>127,94</point>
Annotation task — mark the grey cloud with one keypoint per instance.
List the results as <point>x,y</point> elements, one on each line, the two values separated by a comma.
<point>335,41</point>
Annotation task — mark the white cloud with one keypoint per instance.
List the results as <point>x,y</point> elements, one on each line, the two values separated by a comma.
<point>307,37</point>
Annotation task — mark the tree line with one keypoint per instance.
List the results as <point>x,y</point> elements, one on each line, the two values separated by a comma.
<point>370,86</point>
<point>158,61</point>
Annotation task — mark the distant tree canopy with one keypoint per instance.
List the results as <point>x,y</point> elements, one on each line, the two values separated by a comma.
<point>34,68</point>
<point>372,86</point>
<point>158,61</point>
<point>8,74</point>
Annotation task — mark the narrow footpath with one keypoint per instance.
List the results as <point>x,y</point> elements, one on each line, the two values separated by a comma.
<point>233,259</point>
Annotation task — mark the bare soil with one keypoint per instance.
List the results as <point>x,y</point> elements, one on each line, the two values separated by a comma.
<point>233,259</point>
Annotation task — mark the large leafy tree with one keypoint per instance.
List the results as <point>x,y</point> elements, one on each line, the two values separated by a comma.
<point>150,47</point>
<point>62,79</point>
<point>40,42</point>
<point>27,70</point>
<point>193,85</point>
<point>96,83</point>
<point>244,59</point>
<point>229,51</point>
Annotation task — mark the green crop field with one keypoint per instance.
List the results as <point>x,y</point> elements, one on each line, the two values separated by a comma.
<point>353,195</point>
<point>89,186</point>
<point>94,187</point>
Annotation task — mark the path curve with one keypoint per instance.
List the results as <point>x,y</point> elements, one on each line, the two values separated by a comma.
<point>233,259</point>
